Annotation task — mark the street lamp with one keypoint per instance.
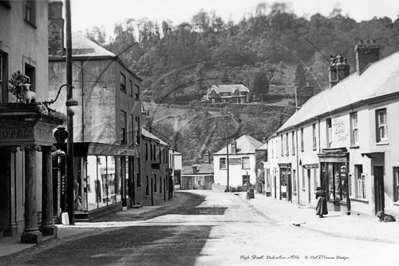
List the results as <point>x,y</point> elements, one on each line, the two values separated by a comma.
<point>71,105</point>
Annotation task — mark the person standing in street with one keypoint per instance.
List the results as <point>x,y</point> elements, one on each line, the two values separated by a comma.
<point>321,207</point>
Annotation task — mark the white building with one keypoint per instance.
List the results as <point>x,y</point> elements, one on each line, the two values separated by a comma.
<point>339,139</point>
<point>234,165</point>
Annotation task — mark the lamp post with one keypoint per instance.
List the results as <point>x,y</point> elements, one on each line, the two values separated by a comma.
<point>71,105</point>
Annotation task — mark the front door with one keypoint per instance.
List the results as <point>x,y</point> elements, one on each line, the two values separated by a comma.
<point>379,188</point>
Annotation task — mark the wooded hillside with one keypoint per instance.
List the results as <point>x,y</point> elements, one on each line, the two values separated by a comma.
<point>271,51</point>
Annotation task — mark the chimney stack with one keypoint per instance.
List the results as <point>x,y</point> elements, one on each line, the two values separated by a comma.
<point>338,70</point>
<point>55,29</point>
<point>367,52</point>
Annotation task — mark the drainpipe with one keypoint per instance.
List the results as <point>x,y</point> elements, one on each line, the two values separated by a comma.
<point>318,125</point>
<point>297,163</point>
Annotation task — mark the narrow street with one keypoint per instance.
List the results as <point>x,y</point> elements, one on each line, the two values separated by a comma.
<point>224,229</point>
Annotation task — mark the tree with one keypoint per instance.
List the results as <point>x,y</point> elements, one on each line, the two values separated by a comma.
<point>261,84</point>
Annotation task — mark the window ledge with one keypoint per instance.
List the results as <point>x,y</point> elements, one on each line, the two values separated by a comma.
<point>30,23</point>
<point>396,203</point>
<point>359,200</point>
<point>381,143</point>
<point>354,147</point>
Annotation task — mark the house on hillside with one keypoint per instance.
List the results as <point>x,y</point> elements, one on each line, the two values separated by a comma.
<point>234,165</point>
<point>198,176</point>
<point>344,139</point>
<point>233,93</point>
<point>107,125</point>
<point>26,130</point>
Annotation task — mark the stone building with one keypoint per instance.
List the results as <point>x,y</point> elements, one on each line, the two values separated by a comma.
<point>26,192</point>
<point>232,93</point>
<point>107,125</point>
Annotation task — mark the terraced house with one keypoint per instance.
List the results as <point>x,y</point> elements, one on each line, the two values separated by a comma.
<point>344,139</point>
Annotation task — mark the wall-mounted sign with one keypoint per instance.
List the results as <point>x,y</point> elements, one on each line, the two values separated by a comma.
<point>234,161</point>
<point>311,166</point>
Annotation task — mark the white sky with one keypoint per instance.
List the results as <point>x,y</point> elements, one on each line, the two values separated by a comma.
<point>89,13</point>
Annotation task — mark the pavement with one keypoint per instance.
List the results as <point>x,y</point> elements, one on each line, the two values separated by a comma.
<point>278,211</point>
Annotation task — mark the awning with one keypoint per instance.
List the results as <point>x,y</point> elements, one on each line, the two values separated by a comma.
<point>82,149</point>
<point>373,154</point>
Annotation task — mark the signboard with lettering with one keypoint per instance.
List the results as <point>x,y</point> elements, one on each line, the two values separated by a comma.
<point>340,127</point>
<point>311,166</point>
<point>234,161</point>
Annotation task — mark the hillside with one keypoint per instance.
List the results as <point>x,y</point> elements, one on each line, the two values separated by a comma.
<point>271,51</point>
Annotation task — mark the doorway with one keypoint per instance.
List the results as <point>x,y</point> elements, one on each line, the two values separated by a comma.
<point>379,188</point>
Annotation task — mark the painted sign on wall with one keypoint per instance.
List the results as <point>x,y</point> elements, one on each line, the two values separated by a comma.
<point>340,131</point>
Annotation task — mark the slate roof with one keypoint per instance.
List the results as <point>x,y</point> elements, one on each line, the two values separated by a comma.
<point>147,134</point>
<point>262,148</point>
<point>379,79</point>
<point>228,88</point>
<point>245,144</point>
<point>82,46</point>
<point>202,169</point>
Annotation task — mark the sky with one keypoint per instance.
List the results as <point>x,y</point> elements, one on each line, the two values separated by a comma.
<point>89,13</point>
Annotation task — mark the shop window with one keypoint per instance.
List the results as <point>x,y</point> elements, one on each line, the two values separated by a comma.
<point>382,126</point>
<point>360,182</point>
<point>123,83</point>
<point>354,130</point>
<point>245,163</point>
<point>30,11</point>
<point>222,163</point>
<point>396,183</point>
<point>329,132</point>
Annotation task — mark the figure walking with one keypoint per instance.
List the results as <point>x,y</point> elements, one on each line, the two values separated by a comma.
<point>321,207</point>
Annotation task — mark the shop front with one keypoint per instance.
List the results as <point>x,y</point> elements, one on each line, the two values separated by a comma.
<point>285,181</point>
<point>334,178</point>
<point>104,179</point>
